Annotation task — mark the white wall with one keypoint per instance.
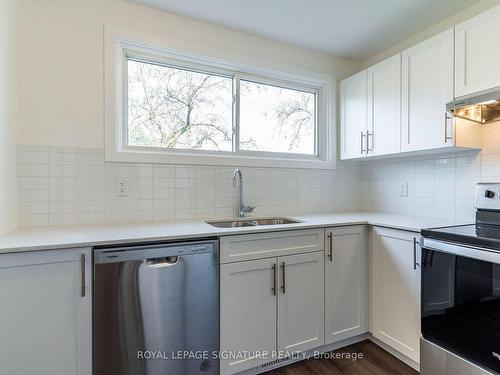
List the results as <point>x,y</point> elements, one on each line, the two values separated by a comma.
<point>61,91</point>
<point>61,61</point>
<point>63,178</point>
<point>8,110</point>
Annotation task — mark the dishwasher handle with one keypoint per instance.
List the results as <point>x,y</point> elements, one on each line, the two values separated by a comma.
<point>151,254</point>
<point>163,261</point>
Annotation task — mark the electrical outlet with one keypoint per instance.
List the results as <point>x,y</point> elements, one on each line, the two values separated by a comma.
<point>121,188</point>
<point>403,189</point>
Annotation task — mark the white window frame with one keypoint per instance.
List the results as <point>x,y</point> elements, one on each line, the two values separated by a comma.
<point>119,46</point>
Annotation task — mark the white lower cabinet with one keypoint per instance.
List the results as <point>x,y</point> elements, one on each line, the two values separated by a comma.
<point>269,305</point>
<point>395,290</point>
<point>45,313</point>
<point>345,283</point>
<point>301,302</point>
<point>304,301</point>
<point>248,311</point>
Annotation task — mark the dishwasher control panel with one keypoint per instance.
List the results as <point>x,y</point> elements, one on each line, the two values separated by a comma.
<point>125,253</point>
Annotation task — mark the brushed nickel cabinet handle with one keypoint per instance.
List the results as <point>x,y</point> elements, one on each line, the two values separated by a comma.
<point>273,289</point>
<point>330,252</point>
<point>283,280</point>
<point>362,137</point>
<point>368,135</point>
<point>415,263</point>
<point>446,137</point>
<point>83,276</point>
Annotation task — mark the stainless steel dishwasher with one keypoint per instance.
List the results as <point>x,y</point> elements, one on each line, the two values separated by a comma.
<point>156,309</point>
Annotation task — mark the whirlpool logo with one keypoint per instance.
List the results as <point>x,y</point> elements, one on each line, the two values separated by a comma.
<point>496,355</point>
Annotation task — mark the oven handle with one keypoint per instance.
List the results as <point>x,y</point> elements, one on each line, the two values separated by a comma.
<point>473,252</point>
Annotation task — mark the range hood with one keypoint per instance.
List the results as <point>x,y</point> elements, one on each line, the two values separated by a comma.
<point>482,107</point>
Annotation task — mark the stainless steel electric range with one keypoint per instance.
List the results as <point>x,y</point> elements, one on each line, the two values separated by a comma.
<point>460,309</point>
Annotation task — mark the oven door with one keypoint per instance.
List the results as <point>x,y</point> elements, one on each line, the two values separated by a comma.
<point>461,301</point>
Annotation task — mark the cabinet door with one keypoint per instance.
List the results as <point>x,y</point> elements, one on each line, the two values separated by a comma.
<point>301,302</point>
<point>353,115</point>
<point>248,311</point>
<point>345,283</point>
<point>427,85</point>
<point>395,293</point>
<point>477,53</point>
<point>45,313</point>
<point>384,107</point>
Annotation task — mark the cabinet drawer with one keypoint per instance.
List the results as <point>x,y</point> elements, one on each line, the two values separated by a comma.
<point>266,245</point>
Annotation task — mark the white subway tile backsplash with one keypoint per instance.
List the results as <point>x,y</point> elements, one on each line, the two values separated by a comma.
<point>28,148</point>
<point>90,158</point>
<point>33,195</point>
<point>163,215</point>
<point>33,220</point>
<point>59,182</point>
<point>61,207</point>
<point>33,182</point>
<point>91,218</point>
<point>64,158</point>
<point>63,195</point>
<point>32,170</point>
<point>63,219</point>
<point>59,185</point>
<point>442,186</point>
<point>35,208</point>
<point>97,171</point>
<point>33,157</point>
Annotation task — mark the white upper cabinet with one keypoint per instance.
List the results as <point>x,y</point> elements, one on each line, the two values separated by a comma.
<point>477,54</point>
<point>427,85</point>
<point>384,107</point>
<point>46,312</point>
<point>353,116</point>
<point>371,111</point>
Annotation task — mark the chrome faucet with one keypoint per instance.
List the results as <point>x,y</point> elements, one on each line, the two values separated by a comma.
<point>242,209</point>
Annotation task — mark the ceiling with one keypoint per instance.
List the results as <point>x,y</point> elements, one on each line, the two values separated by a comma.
<point>355,29</point>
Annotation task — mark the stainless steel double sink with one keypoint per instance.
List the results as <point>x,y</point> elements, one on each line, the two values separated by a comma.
<point>241,223</point>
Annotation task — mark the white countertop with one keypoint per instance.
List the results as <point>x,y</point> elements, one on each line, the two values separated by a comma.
<point>43,238</point>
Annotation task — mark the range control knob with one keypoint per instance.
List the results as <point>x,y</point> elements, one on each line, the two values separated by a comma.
<point>489,194</point>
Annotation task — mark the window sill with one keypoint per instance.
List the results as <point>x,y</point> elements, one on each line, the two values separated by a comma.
<point>130,156</point>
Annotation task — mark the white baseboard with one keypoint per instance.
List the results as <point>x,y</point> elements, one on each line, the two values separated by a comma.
<point>335,346</point>
<point>309,354</point>
<point>394,352</point>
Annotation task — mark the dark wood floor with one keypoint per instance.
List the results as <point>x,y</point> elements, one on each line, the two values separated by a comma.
<point>375,361</point>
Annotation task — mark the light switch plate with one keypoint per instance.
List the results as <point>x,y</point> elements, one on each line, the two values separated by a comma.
<point>403,189</point>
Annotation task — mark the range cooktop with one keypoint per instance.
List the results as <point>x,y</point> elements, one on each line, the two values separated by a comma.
<point>486,236</point>
<point>485,232</point>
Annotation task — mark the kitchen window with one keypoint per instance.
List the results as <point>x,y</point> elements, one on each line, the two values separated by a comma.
<point>173,108</point>
<point>168,107</point>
